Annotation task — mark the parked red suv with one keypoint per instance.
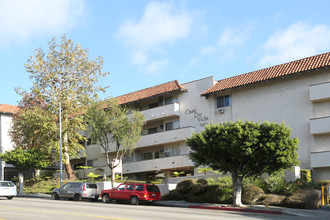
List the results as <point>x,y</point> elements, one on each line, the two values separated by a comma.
<point>135,193</point>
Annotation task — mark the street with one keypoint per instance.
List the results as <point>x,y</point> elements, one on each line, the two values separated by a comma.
<point>31,208</point>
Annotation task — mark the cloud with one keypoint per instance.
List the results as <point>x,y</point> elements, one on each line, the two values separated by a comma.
<point>231,37</point>
<point>297,41</point>
<point>20,20</point>
<point>193,61</point>
<point>208,50</point>
<point>161,24</point>
<point>230,40</point>
<point>156,66</point>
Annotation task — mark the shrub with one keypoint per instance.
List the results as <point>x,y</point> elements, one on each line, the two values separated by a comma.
<point>272,199</point>
<point>199,189</point>
<point>220,181</point>
<point>225,194</point>
<point>47,174</point>
<point>251,194</point>
<point>185,186</point>
<point>306,175</point>
<point>210,195</point>
<point>173,195</point>
<point>202,181</point>
<point>325,182</point>
<point>305,199</point>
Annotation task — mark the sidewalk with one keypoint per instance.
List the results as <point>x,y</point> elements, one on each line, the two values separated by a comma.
<point>321,213</point>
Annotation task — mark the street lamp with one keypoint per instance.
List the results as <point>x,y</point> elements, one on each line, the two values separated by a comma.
<point>61,168</point>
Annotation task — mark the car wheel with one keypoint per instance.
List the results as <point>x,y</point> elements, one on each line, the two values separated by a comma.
<point>134,200</point>
<point>106,198</point>
<point>55,196</point>
<point>9,197</point>
<point>77,197</point>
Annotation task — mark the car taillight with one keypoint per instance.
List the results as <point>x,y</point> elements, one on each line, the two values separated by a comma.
<point>84,187</point>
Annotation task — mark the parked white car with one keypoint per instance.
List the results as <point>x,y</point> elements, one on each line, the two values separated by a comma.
<point>8,189</point>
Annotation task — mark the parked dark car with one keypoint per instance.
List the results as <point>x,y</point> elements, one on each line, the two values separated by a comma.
<point>135,193</point>
<point>76,191</point>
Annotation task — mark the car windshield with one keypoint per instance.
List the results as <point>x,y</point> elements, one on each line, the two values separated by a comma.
<point>152,188</point>
<point>6,184</point>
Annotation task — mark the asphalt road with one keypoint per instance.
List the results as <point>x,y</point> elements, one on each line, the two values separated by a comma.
<point>40,209</point>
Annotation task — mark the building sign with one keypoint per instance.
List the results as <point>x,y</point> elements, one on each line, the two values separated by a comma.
<point>199,116</point>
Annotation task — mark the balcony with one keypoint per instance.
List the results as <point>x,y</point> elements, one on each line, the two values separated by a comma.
<point>165,137</point>
<point>160,138</point>
<point>319,92</point>
<point>320,125</point>
<point>157,164</point>
<point>162,112</point>
<point>320,159</point>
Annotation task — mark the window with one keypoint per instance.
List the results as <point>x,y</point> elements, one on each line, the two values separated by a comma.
<point>172,125</point>
<point>172,151</point>
<point>139,188</point>
<point>153,105</point>
<point>152,188</point>
<point>223,101</point>
<point>130,187</point>
<point>92,163</point>
<point>152,130</point>
<point>147,156</point>
<point>150,155</point>
<point>128,158</point>
<point>121,187</point>
<point>171,100</point>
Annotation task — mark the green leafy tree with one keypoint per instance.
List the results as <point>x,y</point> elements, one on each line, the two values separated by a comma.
<point>114,130</point>
<point>25,160</point>
<point>244,149</point>
<point>65,77</point>
<point>33,126</point>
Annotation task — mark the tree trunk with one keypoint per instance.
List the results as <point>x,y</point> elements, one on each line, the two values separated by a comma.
<point>21,180</point>
<point>68,168</point>
<point>37,172</point>
<point>110,165</point>
<point>237,189</point>
<point>113,178</point>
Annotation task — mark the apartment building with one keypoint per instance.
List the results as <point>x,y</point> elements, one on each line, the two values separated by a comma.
<point>7,171</point>
<point>171,115</point>
<point>297,93</point>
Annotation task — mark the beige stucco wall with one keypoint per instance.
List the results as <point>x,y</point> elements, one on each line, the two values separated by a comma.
<point>5,140</point>
<point>282,100</point>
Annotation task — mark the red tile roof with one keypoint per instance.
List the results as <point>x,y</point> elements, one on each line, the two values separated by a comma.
<point>162,89</point>
<point>5,108</point>
<point>297,66</point>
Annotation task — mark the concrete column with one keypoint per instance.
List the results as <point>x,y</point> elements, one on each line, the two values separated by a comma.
<point>167,175</point>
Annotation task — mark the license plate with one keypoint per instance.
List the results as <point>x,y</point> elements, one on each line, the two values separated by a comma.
<point>153,194</point>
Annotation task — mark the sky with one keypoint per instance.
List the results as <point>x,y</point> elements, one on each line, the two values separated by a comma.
<point>145,43</point>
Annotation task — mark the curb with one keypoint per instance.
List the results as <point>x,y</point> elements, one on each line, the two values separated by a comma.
<point>39,196</point>
<point>236,209</point>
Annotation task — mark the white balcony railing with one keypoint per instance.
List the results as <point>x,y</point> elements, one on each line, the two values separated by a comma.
<point>320,125</point>
<point>320,159</point>
<point>319,92</point>
<point>162,112</point>
<point>165,137</point>
<point>157,164</point>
